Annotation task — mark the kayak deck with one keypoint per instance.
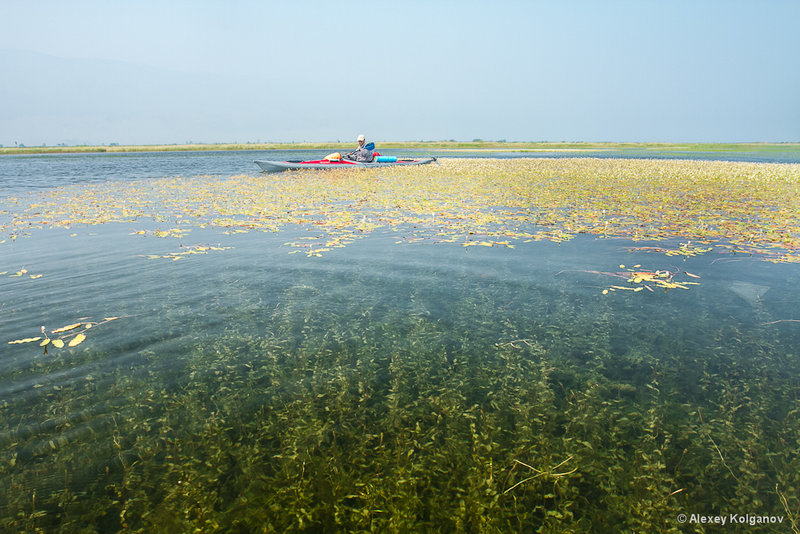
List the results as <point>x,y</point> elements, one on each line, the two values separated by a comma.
<point>275,166</point>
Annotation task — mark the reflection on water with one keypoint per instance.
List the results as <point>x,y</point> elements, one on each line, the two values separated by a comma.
<point>384,386</point>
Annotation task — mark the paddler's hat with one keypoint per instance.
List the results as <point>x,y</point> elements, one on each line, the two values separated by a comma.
<point>361,138</point>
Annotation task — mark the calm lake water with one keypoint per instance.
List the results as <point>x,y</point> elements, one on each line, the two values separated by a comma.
<point>413,386</point>
<point>19,174</point>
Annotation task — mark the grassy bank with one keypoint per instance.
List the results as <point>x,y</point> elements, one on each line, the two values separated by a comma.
<point>424,145</point>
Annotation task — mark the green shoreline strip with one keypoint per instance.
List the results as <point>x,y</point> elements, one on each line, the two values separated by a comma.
<point>423,145</point>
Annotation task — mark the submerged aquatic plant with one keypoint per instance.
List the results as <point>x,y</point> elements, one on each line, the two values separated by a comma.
<point>376,418</point>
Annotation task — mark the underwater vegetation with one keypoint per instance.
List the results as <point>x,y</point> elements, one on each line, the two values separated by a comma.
<point>387,418</point>
<point>451,400</point>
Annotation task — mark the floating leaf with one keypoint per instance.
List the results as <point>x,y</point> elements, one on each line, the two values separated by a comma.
<point>739,207</point>
<point>58,343</point>
<point>77,340</point>
<point>26,340</point>
<point>66,328</point>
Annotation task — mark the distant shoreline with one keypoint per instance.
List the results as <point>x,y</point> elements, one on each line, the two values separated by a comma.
<point>423,145</point>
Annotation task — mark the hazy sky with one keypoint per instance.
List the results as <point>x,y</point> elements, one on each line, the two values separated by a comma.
<point>140,72</point>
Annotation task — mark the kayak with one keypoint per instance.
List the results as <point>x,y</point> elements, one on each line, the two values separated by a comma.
<point>381,161</point>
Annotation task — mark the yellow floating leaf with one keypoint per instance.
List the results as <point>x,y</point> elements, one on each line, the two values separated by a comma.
<point>45,342</point>
<point>58,343</point>
<point>106,319</point>
<point>605,292</point>
<point>26,340</point>
<point>66,328</point>
<point>77,340</point>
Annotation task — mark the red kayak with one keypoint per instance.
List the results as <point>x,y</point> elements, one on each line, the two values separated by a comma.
<point>380,161</point>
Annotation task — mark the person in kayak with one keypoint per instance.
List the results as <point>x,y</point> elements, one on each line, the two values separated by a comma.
<point>363,153</point>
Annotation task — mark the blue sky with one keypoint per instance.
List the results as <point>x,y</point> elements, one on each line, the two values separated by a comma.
<point>141,72</point>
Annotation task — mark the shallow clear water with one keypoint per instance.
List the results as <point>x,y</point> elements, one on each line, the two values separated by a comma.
<point>383,384</point>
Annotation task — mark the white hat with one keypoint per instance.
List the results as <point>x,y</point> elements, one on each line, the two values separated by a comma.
<point>361,138</point>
